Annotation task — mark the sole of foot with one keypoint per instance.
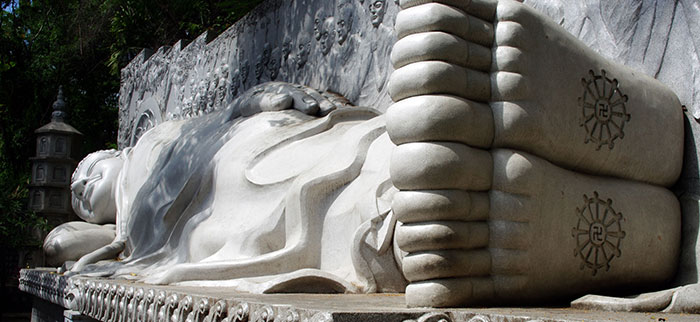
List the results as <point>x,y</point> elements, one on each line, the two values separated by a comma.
<point>540,233</point>
<point>529,166</point>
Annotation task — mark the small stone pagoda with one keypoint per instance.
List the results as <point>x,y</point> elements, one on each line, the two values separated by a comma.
<point>57,145</point>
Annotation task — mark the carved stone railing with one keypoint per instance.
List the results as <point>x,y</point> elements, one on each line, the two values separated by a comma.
<point>44,284</point>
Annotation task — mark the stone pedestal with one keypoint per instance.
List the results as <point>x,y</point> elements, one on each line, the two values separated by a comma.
<point>117,300</point>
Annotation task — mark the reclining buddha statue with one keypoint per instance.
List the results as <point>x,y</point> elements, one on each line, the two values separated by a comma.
<point>516,166</point>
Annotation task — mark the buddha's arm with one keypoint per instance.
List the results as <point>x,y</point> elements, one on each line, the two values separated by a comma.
<point>110,251</point>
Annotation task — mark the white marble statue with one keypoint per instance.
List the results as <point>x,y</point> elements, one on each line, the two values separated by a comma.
<point>247,185</point>
<point>517,166</point>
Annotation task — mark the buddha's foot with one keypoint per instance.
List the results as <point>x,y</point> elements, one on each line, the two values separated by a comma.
<point>540,233</point>
<point>476,83</point>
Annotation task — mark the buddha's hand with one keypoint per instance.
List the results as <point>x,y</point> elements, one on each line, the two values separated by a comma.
<point>277,96</point>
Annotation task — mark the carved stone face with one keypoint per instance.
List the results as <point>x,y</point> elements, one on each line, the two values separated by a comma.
<point>211,87</point>
<point>211,94</point>
<point>224,71</point>
<point>327,35</point>
<point>266,54</point>
<point>286,48</point>
<point>377,8</point>
<point>263,23</point>
<point>245,68</point>
<point>344,25</point>
<point>221,90</point>
<point>303,53</point>
<point>93,187</point>
<point>318,24</point>
<point>273,65</point>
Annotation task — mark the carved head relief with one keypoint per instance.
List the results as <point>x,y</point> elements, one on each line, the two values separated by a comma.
<point>241,55</point>
<point>327,35</point>
<point>274,64</point>
<point>303,53</point>
<point>221,89</point>
<point>211,86</point>
<point>245,68</point>
<point>263,24</point>
<point>318,22</point>
<point>266,54</point>
<point>377,9</point>
<point>224,71</point>
<point>286,47</point>
<point>244,65</point>
<point>344,25</point>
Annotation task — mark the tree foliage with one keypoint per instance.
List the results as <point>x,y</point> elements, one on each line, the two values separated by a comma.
<point>82,45</point>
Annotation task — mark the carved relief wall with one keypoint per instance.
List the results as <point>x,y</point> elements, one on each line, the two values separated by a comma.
<point>283,40</point>
<point>341,45</point>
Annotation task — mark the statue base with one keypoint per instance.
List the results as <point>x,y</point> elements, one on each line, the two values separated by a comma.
<point>85,299</point>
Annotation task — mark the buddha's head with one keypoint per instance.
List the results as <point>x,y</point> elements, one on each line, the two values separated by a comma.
<point>93,186</point>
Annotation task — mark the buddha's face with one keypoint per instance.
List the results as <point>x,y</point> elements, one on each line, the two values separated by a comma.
<point>377,8</point>
<point>93,189</point>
